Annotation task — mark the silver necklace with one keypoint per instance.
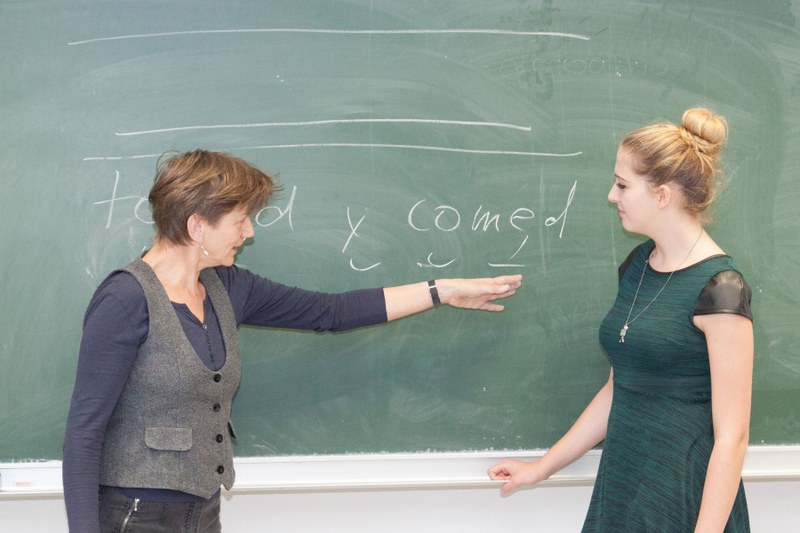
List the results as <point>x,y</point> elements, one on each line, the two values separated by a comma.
<point>629,320</point>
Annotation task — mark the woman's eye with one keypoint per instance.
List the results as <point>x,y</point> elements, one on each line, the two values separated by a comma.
<point>620,185</point>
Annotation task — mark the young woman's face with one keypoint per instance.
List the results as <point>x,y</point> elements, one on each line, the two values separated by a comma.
<point>222,241</point>
<point>635,198</point>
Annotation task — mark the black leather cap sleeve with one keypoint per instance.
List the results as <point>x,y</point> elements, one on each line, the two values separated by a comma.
<point>726,292</point>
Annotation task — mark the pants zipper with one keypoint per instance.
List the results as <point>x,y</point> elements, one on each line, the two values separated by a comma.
<point>132,510</point>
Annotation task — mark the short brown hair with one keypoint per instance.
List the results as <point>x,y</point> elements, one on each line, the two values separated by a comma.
<point>209,184</point>
<point>687,154</point>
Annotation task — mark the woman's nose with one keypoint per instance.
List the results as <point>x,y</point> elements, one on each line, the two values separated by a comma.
<point>612,195</point>
<point>247,229</point>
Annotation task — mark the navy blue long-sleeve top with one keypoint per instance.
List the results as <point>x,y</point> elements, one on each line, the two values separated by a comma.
<point>115,326</point>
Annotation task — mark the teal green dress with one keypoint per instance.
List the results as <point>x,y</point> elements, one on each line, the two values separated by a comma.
<point>660,433</point>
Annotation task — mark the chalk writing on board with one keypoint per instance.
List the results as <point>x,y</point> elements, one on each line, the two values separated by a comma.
<point>111,202</point>
<point>421,217</point>
<point>353,145</point>
<point>362,145</point>
<point>500,32</point>
<point>261,218</point>
<point>325,122</point>
<point>430,264</point>
<point>353,233</point>
<point>446,218</point>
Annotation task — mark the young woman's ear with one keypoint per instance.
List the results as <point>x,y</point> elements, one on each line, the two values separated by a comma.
<point>663,195</point>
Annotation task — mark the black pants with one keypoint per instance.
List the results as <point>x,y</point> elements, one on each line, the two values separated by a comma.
<point>121,514</point>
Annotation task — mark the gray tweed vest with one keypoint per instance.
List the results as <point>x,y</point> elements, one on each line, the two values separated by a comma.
<point>171,426</point>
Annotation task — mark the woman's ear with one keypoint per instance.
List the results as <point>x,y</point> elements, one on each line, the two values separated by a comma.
<point>194,225</point>
<point>664,195</point>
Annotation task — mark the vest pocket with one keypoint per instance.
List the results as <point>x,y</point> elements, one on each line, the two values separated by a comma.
<point>171,439</point>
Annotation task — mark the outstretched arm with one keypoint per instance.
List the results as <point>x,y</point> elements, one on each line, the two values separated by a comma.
<point>478,293</point>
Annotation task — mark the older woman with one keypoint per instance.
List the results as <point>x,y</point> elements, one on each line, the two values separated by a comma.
<point>148,440</point>
<point>674,414</point>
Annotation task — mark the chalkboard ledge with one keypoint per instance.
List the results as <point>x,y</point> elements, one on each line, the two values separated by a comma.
<point>390,471</point>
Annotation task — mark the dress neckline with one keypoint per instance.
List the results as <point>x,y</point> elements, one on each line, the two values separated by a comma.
<point>682,269</point>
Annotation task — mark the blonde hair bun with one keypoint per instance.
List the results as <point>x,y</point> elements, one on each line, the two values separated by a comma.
<point>708,130</point>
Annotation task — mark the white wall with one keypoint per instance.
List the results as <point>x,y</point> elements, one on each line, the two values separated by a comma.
<point>437,493</point>
<point>774,508</point>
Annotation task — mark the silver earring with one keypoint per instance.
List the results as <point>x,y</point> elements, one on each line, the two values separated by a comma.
<point>205,252</point>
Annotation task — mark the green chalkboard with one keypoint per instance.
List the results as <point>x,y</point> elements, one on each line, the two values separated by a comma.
<point>413,140</point>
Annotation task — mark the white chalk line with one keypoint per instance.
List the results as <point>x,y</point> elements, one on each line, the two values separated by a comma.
<point>325,123</point>
<point>361,145</point>
<point>563,35</point>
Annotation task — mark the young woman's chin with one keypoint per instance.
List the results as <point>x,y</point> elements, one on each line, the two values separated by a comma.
<point>629,227</point>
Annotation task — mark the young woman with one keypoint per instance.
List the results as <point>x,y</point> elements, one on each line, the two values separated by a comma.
<point>674,414</point>
<point>148,439</point>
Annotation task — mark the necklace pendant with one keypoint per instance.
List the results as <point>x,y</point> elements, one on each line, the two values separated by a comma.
<point>622,333</point>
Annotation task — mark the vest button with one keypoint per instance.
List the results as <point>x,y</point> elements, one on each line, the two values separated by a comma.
<point>219,438</point>
<point>220,469</point>
<point>216,407</point>
<point>217,377</point>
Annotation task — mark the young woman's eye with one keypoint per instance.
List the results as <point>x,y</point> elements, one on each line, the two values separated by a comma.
<point>621,185</point>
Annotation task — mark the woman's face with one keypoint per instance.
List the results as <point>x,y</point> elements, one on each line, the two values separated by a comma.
<point>635,198</point>
<point>222,241</point>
